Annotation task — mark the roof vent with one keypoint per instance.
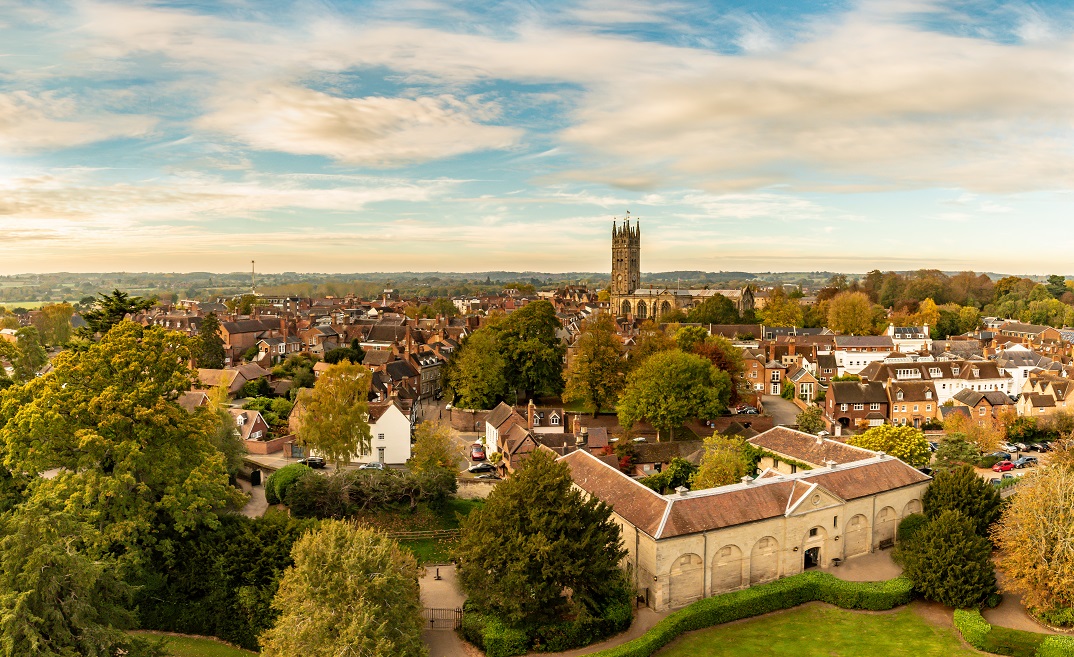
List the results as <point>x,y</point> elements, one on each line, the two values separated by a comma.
<point>820,440</point>
<point>746,479</point>
<point>881,455</point>
<point>831,464</point>
<point>682,491</point>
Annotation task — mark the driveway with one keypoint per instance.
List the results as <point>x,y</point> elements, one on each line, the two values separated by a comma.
<point>781,410</point>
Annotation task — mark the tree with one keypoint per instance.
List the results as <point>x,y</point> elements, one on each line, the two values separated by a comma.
<point>132,461</point>
<point>532,353</point>
<point>334,418</point>
<point>475,376</point>
<point>595,373</point>
<point>950,563</point>
<point>111,309</point>
<point>351,591</point>
<point>724,462</point>
<point>687,338</point>
<point>1057,285</point>
<point>902,442</point>
<point>716,309</point>
<point>954,451</point>
<point>851,313</point>
<point>225,436</point>
<point>960,489</point>
<point>436,447</point>
<point>928,313</point>
<point>1035,536</point>
<point>726,357</point>
<point>651,339</point>
<point>54,323</point>
<point>986,436</point>
<point>677,473</point>
<point>210,345</point>
<point>30,356</point>
<point>811,420</point>
<point>540,550</point>
<point>780,310</point>
<point>671,387</point>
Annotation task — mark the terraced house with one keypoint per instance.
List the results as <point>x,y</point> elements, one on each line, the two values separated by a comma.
<point>694,544</point>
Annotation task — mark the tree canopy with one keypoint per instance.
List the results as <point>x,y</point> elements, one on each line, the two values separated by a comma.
<point>724,462</point>
<point>781,310</point>
<point>475,375</point>
<point>960,489</point>
<point>595,373</point>
<point>949,562</point>
<point>334,413</point>
<point>811,420</point>
<point>671,387</point>
<point>436,447</point>
<point>851,313</point>
<point>902,442</point>
<point>532,353</point>
<point>111,309</point>
<point>716,309</point>
<point>209,347</point>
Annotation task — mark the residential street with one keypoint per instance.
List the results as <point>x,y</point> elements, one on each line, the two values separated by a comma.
<point>781,410</point>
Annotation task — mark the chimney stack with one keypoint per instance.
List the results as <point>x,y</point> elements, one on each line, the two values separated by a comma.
<point>531,410</point>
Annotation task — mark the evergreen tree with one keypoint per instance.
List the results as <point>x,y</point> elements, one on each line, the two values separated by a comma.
<point>949,562</point>
<point>536,538</point>
<point>210,344</point>
<point>111,309</point>
<point>960,489</point>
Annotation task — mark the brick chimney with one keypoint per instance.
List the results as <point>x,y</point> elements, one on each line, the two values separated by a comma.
<point>531,410</point>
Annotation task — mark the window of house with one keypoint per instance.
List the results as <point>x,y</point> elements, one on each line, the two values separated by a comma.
<point>554,421</point>
<point>256,435</point>
<point>955,371</point>
<point>859,407</point>
<point>835,522</point>
<point>928,407</point>
<point>812,532</point>
<point>934,371</point>
<point>794,468</point>
<point>915,408</point>
<point>842,407</point>
<point>380,436</point>
<point>874,406</point>
<point>981,410</point>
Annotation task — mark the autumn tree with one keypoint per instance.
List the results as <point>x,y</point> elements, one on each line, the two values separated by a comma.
<point>780,310</point>
<point>723,462</point>
<point>595,373</point>
<point>54,323</point>
<point>928,313</point>
<point>960,489</point>
<point>717,309</point>
<point>811,420</point>
<point>26,356</point>
<point>351,591</point>
<point>986,437</point>
<point>111,309</point>
<point>335,411</point>
<point>436,446</point>
<point>675,474</point>
<point>726,357</point>
<point>475,375</point>
<point>950,563</point>
<point>1034,536</point>
<point>651,339</point>
<point>532,352</point>
<point>209,347</point>
<point>851,313</point>
<point>902,442</point>
<point>540,550</point>
<point>671,387</point>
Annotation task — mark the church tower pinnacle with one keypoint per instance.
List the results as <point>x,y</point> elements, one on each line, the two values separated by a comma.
<point>626,261</point>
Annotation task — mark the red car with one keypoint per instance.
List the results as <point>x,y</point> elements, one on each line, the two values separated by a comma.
<point>1003,466</point>
<point>477,452</point>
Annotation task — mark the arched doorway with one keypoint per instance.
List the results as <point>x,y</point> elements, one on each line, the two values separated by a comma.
<point>812,546</point>
<point>642,310</point>
<point>764,560</point>
<point>727,569</point>
<point>625,309</point>
<point>687,581</point>
<point>885,526</point>
<point>857,537</point>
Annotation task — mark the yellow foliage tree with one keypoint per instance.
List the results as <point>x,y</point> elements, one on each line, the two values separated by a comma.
<point>986,435</point>
<point>335,413</point>
<point>723,463</point>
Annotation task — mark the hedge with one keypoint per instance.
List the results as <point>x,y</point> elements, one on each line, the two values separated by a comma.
<point>1003,641</point>
<point>1056,646</point>
<point>279,482</point>
<point>754,601</point>
<point>499,640</point>
<point>973,626</point>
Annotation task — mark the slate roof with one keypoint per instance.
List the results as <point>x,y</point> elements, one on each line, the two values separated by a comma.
<point>499,415</point>
<point>972,397</point>
<point>853,392</point>
<point>858,341</point>
<point>666,451</point>
<point>806,447</point>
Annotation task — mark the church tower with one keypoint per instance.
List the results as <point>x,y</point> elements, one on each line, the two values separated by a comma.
<point>626,263</point>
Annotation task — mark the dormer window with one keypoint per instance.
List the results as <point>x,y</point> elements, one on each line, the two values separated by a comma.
<point>240,420</point>
<point>928,394</point>
<point>899,396</point>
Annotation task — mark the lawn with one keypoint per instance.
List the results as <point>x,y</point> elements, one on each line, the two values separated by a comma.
<point>184,646</point>
<point>823,631</point>
<point>426,550</point>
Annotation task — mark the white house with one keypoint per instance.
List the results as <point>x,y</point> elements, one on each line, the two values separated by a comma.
<point>1018,361</point>
<point>498,422</point>
<point>389,428</point>
<point>910,339</point>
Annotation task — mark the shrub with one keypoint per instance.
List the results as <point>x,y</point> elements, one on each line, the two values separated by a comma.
<point>987,461</point>
<point>949,563</point>
<point>910,526</point>
<point>1056,646</point>
<point>280,482</point>
<point>973,626</point>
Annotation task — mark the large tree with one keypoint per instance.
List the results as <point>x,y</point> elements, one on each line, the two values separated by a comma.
<point>717,309</point>
<point>351,591</point>
<point>539,550</point>
<point>960,489</point>
<point>726,357</point>
<point>595,373</point>
<point>132,462</point>
<point>111,309</point>
<point>671,387</point>
<point>903,442</point>
<point>1035,538</point>
<point>532,353</point>
<point>781,310</point>
<point>949,562</point>
<point>209,347</point>
<point>851,313</point>
<point>651,339</point>
<point>811,420</point>
<point>436,447</point>
<point>54,323</point>
<point>334,413</point>
<point>26,356</point>
<point>724,462</point>
<point>475,375</point>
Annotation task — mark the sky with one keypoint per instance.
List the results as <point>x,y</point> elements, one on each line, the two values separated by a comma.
<point>417,135</point>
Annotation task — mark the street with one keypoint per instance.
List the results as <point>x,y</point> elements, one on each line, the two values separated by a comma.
<point>782,411</point>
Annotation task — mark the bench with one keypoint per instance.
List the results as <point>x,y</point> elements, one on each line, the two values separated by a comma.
<point>887,543</point>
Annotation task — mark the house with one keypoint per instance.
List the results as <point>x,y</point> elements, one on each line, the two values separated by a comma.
<point>192,400</point>
<point>250,424</point>
<point>827,369</point>
<point>694,544</point>
<point>240,335</point>
<point>914,403</point>
<point>948,376</point>
<point>498,422</point>
<point>850,404</point>
<point>983,407</point>
<point>774,373</point>
<point>806,385</point>
<point>754,374</point>
<point>910,339</point>
<point>389,429</point>
<point>854,352</point>
<point>784,449</point>
<point>650,458</point>
<point>545,420</point>
<point>1017,361</point>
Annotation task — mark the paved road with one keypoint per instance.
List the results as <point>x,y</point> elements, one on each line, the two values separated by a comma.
<point>781,410</point>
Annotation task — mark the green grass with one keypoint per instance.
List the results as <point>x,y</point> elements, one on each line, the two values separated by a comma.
<point>822,631</point>
<point>183,646</point>
<point>29,305</point>
<point>1017,643</point>
<point>430,550</point>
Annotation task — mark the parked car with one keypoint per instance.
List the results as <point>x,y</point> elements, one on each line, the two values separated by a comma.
<point>1026,462</point>
<point>313,462</point>
<point>375,465</point>
<point>996,481</point>
<point>1003,456</point>
<point>1021,446</point>
<point>1007,447</point>
<point>487,475</point>
<point>751,411</point>
<point>1003,466</point>
<point>477,452</point>
<point>1044,447</point>
<point>480,467</point>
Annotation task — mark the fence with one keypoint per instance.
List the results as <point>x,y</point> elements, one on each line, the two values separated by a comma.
<point>443,619</point>
<point>419,535</point>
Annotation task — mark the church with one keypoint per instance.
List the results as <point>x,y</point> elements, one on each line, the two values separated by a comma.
<point>629,299</point>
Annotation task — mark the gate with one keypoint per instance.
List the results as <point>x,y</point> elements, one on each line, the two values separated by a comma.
<point>443,619</point>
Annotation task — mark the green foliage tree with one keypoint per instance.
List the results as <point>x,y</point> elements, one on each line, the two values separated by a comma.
<point>1057,286</point>
<point>950,563</point>
<point>671,387</point>
<point>902,442</point>
<point>209,347</point>
<point>716,309</point>
<point>811,420</point>
<point>111,309</point>
<point>225,435</point>
<point>29,355</point>
<point>724,462</point>
<point>53,322</point>
<point>475,376</point>
<point>595,373</point>
<point>351,591</point>
<point>851,313</point>
<point>133,462</point>
<point>532,353</point>
<point>353,353</point>
<point>781,310</point>
<point>334,418</point>
<point>677,473</point>
<point>279,483</point>
<point>960,489</point>
<point>436,447</point>
<point>954,451</point>
<point>536,538</point>
<point>651,339</point>
<point>687,338</point>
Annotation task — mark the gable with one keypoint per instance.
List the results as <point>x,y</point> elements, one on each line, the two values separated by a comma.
<point>816,498</point>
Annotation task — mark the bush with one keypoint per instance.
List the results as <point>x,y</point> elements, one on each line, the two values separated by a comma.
<point>987,461</point>
<point>910,526</point>
<point>279,483</point>
<point>973,626</point>
<point>781,594</point>
<point>949,563</point>
<point>997,640</point>
<point>1056,646</point>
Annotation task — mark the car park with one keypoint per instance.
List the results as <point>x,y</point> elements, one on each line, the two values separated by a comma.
<point>313,462</point>
<point>487,475</point>
<point>1026,462</point>
<point>376,465</point>
<point>1003,456</point>
<point>1003,466</point>
<point>478,468</point>
<point>477,452</point>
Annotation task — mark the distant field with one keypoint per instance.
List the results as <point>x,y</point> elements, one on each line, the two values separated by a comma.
<point>29,305</point>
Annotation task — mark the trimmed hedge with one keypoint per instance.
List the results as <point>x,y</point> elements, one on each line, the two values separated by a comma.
<point>973,626</point>
<point>279,483</point>
<point>1056,646</point>
<point>499,640</point>
<point>781,594</point>
<point>495,638</point>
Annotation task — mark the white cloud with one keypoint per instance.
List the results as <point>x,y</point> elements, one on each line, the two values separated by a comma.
<point>49,121</point>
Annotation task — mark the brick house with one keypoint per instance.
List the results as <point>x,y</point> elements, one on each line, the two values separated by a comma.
<point>850,404</point>
<point>913,403</point>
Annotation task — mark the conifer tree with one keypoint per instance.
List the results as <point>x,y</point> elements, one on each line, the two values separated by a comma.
<point>949,562</point>
<point>960,489</point>
<point>210,344</point>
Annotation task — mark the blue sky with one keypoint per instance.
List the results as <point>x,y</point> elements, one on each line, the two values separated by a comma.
<point>422,135</point>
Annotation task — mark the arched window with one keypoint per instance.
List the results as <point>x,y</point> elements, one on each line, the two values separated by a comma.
<point>642,310</point>
<point>665,308</point>
<point>625,310</point>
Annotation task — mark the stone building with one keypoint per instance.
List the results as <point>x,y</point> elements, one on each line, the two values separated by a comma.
<point>693,544</point>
